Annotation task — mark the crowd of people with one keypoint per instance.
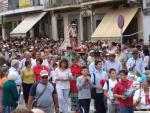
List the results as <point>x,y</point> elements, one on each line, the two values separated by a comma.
<point>116,77</point>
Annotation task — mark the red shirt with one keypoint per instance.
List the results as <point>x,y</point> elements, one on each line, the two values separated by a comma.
<point>119,89</point>
<point>37,70</point>
<point>76,72</point>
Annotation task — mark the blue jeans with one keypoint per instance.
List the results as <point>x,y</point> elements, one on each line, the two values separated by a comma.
<point>127,109</point>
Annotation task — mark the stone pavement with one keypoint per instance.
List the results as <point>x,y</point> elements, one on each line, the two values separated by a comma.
<point>91,107</point>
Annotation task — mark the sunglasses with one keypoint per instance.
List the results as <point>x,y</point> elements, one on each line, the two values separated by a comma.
<point>45,77</point>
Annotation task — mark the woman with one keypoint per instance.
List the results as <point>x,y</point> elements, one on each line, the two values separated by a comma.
<point>3,79</point>
<point>62,78</point>
<point>28,79</point>
<point>76,72</point>
<point>11,96</point>
<point>141,98</point>
<point>98,78</point>
<point>37,69</point>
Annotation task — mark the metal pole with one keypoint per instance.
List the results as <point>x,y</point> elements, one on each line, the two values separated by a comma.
<point>121,38</point>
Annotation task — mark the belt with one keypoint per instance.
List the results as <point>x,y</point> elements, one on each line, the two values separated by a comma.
<point>142,109</point>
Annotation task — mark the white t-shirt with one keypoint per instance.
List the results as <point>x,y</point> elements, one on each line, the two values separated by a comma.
<point>62,74</point>
<point>110,89</point>
<point>140,93</point>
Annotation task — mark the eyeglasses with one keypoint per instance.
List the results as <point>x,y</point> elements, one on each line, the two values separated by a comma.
<point>45,77</point>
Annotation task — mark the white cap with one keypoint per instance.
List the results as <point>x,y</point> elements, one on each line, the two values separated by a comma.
<point>43,73</point>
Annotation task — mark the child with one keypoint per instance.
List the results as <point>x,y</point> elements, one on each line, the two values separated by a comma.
<point>84,90</point>
<point>109,85</point>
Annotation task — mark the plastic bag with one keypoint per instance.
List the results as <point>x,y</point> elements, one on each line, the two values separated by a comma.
<point>21,99</point>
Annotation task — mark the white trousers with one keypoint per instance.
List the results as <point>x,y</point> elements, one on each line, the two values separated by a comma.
<point>63,95</point>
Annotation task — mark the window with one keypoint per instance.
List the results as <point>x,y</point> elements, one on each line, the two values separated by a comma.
<point>146,4</point>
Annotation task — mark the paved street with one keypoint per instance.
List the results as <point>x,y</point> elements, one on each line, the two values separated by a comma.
<point>91,107</point>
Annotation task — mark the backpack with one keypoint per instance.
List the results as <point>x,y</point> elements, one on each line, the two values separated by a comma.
<point>108,83</point>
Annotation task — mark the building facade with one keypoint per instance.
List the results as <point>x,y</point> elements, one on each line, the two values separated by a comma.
<point>16,12</point>
<point>94,19</point>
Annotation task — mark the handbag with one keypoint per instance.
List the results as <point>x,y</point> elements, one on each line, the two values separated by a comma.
<point>34,102</point>
<point>93,90</point>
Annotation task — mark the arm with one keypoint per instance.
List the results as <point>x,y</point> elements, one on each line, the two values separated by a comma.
<point>116,94</point>
<point>15,92</point>
<point>30,100</point>
<point>32,94</point>
<point>80,83</point>
<point>55,98</point>
<point>105,88</point>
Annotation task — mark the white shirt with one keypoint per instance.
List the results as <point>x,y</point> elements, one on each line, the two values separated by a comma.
<point>45,63</point>
<point>99,75</point>
<point>116,65</point>
<point>140,93</point>
<point>110,89</point>
<point>139,64</point>
<point>62,74</point>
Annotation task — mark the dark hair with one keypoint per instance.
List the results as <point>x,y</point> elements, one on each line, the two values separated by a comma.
<point>27,63</point>
<point>84,67</point>
<point>124,72</point>
<point>111,69</point>
<point>64,60</point>
<point>2,60</point>
<point>22,111</point>
<point>3,70</point>
<point>97,62</point>
<point>40,60</point>
<point>55,64</point>
<point>141,40</point>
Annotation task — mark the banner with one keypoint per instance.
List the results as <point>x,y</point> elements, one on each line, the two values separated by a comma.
<point>25,3</point>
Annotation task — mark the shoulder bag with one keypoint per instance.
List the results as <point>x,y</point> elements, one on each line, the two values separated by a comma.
<point>34,102</point>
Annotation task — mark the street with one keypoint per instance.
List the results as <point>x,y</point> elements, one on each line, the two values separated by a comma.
<point>91,106</point>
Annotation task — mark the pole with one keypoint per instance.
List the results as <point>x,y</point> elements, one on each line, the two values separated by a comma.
<point>121,38</point>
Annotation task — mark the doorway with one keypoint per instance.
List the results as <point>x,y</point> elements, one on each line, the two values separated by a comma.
<point>86,28</point>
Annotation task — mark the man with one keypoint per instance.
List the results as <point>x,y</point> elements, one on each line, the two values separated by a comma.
<point>121,92</point>
<point>69,55</point>
<point>37,56</point>
<point>135,64</point>
<point>92,65</point>
<point>45,93</point>
<point>108,88</point>
<point>14,68</point>
<point>27,57</point>
<point>112,63</point>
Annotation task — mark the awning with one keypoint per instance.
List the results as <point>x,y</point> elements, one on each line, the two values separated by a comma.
<point>27,24</point>
<point>109,27</point>
<point>99,2</point>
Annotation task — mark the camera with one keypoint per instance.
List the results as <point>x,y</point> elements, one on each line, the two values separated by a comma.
<point>129,92</point>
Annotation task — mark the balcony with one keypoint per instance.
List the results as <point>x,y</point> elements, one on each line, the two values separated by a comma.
<point>57,3</point>
<point>21,6</point>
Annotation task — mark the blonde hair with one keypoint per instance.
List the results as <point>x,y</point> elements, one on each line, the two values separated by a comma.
<point>14,62</point>
<point>35,110</point>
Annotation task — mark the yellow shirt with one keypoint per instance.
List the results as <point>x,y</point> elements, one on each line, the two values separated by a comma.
<point>27,75</point>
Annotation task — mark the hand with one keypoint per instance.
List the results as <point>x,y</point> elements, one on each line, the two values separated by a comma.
<point>57,110</point>
<point>57,79</point>
<point>139,100</point>
<point>124,97</point>
<point>87,78</point>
